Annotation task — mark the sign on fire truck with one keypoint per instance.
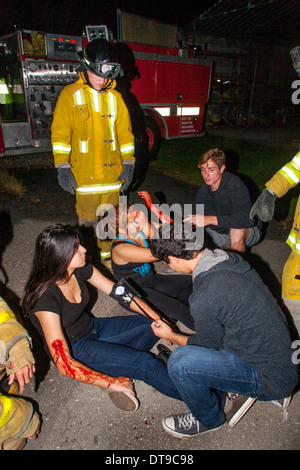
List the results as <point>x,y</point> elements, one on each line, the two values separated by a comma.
<point>170,86</point>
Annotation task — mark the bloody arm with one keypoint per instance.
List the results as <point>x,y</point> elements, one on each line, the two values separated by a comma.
<point>62,359</point>
<point>164,218</point>
<point>70,367</point>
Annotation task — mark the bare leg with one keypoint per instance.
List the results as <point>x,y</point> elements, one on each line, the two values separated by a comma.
<point>238,238</point>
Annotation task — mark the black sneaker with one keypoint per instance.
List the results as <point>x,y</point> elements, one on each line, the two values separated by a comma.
<point>236,407</point>
<point>185,425</point>
<point>163,353</point>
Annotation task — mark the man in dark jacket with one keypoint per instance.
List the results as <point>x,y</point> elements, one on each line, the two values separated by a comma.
<point>226,204</point>
<point>241,350</point>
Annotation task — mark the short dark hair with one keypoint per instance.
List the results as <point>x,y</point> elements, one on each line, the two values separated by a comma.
<point>217,156</point>
<point>174,241</point>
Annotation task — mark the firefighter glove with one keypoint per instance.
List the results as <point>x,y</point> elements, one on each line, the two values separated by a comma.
<point>264,206</point>
<point>127,175</point>
<point>66,179</point>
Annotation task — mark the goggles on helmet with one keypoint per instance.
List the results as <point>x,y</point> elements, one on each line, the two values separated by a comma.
<point>104,69</point>
<point>107,69</point>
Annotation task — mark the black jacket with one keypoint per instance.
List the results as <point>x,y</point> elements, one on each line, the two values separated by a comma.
<point>230,203</point>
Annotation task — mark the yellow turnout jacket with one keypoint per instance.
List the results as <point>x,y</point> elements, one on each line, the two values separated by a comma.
<point>17,417</point>
<point>91,131</point>
<point>285,179</point>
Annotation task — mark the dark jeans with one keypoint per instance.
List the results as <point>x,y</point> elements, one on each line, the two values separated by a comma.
<point>170,294</point>
<point>203,375</point>
<point>119,347</point>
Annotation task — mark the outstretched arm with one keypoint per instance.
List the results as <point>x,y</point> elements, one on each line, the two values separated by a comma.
<point>106,285</point>
<point>70,367</point>
<point>201,220</point>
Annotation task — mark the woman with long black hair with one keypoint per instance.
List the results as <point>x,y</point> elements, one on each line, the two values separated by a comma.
<point>106,352</point>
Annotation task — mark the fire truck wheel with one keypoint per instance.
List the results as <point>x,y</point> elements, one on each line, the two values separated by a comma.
<point>153,133</point>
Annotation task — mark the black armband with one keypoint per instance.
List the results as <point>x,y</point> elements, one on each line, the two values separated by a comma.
<point>123,293</point>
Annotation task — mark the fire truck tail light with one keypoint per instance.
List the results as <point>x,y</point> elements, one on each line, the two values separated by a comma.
<point>188,111</point>
<point>181,110</point>
<point>163,111</point>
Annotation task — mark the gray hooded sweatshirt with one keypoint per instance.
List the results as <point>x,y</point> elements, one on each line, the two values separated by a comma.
<point>234,310</point>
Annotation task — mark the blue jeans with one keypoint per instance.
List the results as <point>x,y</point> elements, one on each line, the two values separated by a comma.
<point>202,375</point>
<point>119,347</point>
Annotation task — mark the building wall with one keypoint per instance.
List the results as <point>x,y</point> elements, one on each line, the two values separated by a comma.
<point>251,83</point>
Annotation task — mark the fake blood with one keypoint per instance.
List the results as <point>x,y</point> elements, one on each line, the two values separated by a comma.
<point>62,354</point>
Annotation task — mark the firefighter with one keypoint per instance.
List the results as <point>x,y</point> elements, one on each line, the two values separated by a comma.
<point>18,420</point>
<point>285,179</point>
<point>92,139</point>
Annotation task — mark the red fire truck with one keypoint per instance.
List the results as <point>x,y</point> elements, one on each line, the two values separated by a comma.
<point>172,91</point>
<point>34,67</point>
<point>171,87</point>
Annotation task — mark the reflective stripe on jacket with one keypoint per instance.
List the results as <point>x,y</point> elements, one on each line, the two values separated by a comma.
<point>7,404</point>
<point>285,179</point>
<point>15,413</point>
<point>92,131</point>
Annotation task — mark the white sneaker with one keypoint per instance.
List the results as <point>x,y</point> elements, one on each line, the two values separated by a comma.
<point>283,403</point>
<point>236,407</point>
<point>124,401</point>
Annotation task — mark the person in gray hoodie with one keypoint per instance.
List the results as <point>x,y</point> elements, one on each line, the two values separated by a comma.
<point>241,350</point>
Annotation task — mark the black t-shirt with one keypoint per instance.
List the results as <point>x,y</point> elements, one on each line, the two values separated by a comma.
<point>230,203</point>
<point>76,322</point>
<point>139,274</point>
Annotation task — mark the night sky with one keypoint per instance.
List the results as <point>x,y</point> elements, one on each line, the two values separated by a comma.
<point>71,17</point>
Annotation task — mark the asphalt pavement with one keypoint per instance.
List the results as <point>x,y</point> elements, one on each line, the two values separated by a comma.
<point>82,417</point>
